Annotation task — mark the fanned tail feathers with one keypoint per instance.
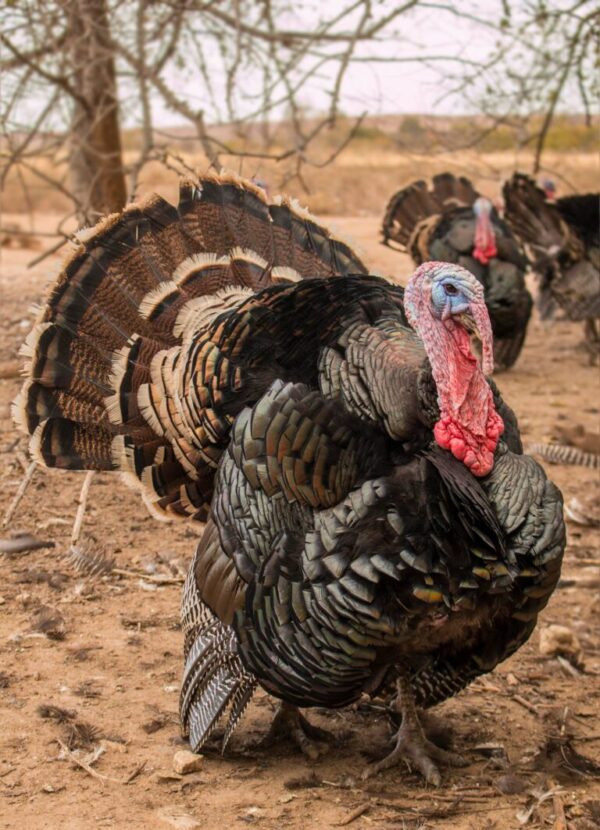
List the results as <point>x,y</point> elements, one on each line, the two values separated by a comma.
<point>564,239</point>
<point>405,210</point>
<point>413,213</point>
<point>109,383</point>
<point>449,189</point>
<point>582,213</point>
<point>536,221</point>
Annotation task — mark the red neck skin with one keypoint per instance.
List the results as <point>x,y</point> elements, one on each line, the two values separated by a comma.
<point>485,239</point>
<point>469,426</point>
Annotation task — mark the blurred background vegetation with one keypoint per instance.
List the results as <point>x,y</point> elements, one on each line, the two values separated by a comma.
<point>104,100</point>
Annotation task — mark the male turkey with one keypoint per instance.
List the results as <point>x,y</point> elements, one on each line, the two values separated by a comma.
<point>371,519</point>
<point>451,222</point>
<point>564,239</point>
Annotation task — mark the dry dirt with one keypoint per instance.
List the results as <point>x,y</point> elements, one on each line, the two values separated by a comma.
<point>526,728</point>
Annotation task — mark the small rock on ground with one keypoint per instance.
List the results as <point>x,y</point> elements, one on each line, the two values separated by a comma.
<point>180,821</point>
<point>185,762</point>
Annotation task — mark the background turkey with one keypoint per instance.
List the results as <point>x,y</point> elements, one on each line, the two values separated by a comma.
<point>371,520</point>
<point>564,239</point>
<point>451,222</point>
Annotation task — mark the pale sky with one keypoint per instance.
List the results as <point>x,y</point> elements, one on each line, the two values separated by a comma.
<point>380,88</point>
<point>442,30</point>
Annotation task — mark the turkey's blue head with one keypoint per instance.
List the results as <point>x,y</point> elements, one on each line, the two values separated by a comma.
<point>445,305</point>
<point>449,293</point>
<point>452,293</point>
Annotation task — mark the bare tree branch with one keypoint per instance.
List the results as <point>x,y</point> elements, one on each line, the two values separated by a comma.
<point>86,83</point>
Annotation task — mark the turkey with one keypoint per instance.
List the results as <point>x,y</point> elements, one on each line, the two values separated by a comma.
<point>564,239</point>
<point>371,521</point>
<point>451,222</point>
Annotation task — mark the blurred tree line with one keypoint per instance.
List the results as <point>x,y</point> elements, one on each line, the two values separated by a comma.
<point>76,73</point>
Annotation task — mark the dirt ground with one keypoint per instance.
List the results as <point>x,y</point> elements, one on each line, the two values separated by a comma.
<point>527,729</point>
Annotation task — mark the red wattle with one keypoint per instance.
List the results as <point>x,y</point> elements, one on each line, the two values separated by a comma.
<point>476,452</point>
<point>484,255</point>
<point>485,239</point>
<point>469,426</point>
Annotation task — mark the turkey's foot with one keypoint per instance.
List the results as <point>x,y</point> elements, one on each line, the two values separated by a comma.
<point>435,729</point>
<point>411,744</point>
<point>290,725</point>
<point>413,747</point>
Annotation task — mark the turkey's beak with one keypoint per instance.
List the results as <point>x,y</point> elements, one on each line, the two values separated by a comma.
<point>476,321</point>
<point>469,323</point>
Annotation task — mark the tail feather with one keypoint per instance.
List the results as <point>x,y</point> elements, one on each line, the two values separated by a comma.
<point>215,682</point>
<point>239,701</point>
<point>224,215</point>
<point>577,290</point>
<point>106,383</point>
<point>545,301</point>
<point>205,713</point>
<point>557,235</point>
<point>448,189</point>
<point>535,220</point>
<point>406,210</point>
<point>565,454</point>
<point>582,213</point>
<point>413,213</point>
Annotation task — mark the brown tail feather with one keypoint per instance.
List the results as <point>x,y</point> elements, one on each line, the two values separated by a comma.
<point>535,220</point>
<point>108,382</point>
<point>406,210</point>
<point>447,189</point>
<point>412,214</point>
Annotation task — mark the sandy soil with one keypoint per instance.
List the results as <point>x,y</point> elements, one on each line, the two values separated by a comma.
<point>527,728</point>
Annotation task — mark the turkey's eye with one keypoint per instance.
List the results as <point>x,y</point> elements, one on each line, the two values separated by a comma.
<point>450,289</point>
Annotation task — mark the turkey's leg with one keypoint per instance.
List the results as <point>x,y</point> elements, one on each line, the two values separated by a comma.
<point>289,724</point>
<point>411,744</point>
<point>592,339</point>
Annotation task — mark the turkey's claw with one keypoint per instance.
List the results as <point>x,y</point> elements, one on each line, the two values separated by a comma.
<point>289,724</point>
<point>414,748</point>
<point>411,744</point>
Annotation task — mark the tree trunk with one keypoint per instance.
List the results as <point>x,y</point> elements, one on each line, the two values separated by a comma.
<point>95,163</point>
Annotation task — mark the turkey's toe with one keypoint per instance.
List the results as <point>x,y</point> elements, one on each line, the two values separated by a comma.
<point>311,748</point>
<point>444,756</point>
<point>289,725</point>
<point>411,744</point>
<point>414,757</point>
<point>315,732</point>
<point>420,754</point>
